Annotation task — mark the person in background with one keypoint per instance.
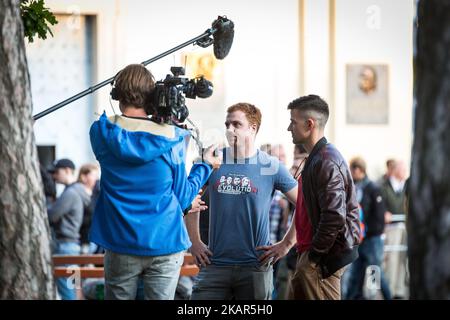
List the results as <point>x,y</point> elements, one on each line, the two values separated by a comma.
<point>279,203</point>
<point>371,250</point>
<point>66,216</point>
<point>393,193</point>
<point>284,279</point>
<point>277,219</point>
<point>390,164</point>
<point>88,176</point>
<point>49,186</point>
<point>392,190</point>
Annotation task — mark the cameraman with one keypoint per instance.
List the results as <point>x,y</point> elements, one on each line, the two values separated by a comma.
<point>144,187</point>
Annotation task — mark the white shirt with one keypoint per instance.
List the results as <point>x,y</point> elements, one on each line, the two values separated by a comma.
<point>396,184</point>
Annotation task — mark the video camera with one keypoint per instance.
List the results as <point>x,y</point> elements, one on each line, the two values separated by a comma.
<point>169,95</point>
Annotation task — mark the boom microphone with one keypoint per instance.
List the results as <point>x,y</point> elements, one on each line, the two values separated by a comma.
<point>222,31</point>
<point>223,37</point>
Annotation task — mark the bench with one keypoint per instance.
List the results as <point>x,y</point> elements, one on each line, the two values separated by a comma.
<point>189,268</point>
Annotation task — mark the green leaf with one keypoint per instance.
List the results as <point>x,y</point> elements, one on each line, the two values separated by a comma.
<point>36,19</point>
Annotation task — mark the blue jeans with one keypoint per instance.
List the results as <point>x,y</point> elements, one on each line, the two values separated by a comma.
<point>159,275</point>
<point>66,287</point>
<point>371,253</point>
<point>239,282</point>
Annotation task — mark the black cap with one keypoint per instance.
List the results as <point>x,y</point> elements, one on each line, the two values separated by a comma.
<point>62,163</point>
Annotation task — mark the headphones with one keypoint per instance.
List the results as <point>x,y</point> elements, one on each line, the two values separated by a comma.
<point>115,92</point>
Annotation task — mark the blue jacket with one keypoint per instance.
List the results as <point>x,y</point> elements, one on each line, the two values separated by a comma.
<point>144,190</point>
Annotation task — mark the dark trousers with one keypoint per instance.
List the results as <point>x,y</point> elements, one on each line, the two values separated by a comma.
<point>371,253</point>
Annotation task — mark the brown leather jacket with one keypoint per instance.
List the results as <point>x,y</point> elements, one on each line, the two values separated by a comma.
<point>330,200</point>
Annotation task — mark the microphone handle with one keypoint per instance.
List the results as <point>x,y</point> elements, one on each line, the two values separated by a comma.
<point>57,106</point>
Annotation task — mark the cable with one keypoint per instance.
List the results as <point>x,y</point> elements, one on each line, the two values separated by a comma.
<point>110,103</point>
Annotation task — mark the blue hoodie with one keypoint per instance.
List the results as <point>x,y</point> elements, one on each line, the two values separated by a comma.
<point>144,190</point>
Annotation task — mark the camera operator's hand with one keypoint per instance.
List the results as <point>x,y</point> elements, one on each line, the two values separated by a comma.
<point>201,253</point>
<point>210,158</point>
<point>198,204</point>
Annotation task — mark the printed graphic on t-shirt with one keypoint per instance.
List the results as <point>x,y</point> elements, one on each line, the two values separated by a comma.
<point>235,184</point>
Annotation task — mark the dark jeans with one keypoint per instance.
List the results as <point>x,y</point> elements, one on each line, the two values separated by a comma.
<point>371,253</point>
<point>238,282</point>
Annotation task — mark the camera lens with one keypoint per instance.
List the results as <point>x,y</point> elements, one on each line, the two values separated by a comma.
<point>203,88</point>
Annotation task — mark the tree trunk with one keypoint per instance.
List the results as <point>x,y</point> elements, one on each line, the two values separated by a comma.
<point>429,201</point>
<point>25,259</point>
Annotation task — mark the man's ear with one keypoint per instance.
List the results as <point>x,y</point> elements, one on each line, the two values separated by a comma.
<point>312,123</point>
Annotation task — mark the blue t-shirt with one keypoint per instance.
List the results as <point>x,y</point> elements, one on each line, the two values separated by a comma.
<point>240,195</point>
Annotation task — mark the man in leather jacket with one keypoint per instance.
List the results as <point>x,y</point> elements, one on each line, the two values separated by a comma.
<point>327,216</point>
